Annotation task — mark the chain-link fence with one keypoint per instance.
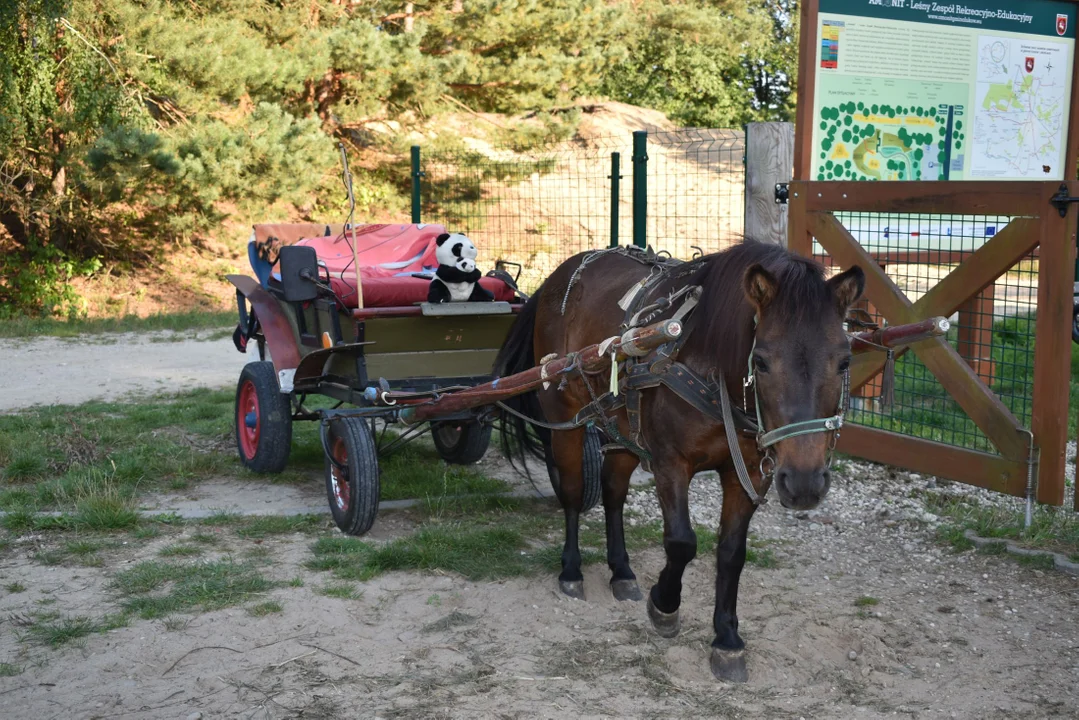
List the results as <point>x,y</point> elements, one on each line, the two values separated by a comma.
<point>541,205</point>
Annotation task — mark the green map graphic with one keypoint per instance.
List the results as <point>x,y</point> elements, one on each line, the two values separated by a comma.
<point>885,142</point>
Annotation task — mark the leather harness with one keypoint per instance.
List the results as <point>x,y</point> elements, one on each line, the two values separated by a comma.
<point>661,367</point>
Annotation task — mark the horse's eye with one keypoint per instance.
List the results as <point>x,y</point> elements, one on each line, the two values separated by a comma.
<point>844,366</point>
<point>759,365</point>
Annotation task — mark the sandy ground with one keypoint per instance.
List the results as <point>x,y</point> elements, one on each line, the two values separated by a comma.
<point>959,636</point>
<point>953,635</point>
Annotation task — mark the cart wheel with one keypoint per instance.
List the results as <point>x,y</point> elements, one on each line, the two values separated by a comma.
<point>352,484</point>
<point>462,442</point>
<point>263,419</point>
<point>591,470</point>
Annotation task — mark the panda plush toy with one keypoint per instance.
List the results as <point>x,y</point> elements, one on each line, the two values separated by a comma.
<point>457,279</point>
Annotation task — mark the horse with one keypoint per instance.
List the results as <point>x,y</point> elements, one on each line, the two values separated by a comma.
<point>764,318</point>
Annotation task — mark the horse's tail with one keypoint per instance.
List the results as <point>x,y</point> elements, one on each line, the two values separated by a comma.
<point>520,438</point>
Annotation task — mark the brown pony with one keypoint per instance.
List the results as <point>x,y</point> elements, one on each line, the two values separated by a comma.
<point>755,298</point>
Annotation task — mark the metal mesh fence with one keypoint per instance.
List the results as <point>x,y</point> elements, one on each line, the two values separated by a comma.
<point>541,205</point>
<point>696,190</point>
<point>993,332</point>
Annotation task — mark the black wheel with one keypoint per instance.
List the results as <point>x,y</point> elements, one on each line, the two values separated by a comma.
<point>591,470</point>
<point>352,485</point>
<point>263,419</point>
<point>461,442</point>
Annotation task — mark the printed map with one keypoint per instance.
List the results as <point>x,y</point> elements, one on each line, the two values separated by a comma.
<point>1019,111</point>
<point>886,142</point>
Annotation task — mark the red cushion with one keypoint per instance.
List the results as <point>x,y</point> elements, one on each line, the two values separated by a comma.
<point>401,291</point>
<point>387,255</point>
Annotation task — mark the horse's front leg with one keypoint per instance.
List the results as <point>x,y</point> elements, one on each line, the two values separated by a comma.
<point>728,649</point>
<point>566,468</point>
<point>679,542</point>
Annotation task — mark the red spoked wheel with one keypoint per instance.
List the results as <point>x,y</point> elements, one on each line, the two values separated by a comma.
<point>247,420</point>
<point>263,421</point>
<point>352,482</point>
<point>341,495</point>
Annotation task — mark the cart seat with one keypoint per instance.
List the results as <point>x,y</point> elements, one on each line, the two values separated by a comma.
<point>397,262</point>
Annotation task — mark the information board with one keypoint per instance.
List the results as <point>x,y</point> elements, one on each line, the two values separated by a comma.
<point>912,90</point>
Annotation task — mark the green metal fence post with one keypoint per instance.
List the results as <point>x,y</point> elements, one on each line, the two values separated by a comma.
<point>616,163</point>
<point>640,187</point>
<point>416,175</point>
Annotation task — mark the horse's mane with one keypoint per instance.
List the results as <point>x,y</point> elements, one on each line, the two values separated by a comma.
<point>721,328</point>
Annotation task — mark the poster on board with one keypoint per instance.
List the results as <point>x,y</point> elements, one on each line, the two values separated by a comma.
<point>913,90</point>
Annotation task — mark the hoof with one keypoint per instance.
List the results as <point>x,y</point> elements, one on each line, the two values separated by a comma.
<point>573,588</point>
<point>666,624</point>
<point>729,665</point>
<point>626,590</point>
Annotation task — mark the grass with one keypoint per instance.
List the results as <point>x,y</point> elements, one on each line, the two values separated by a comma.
<point>93,460</point>
<point>263,609</point>
<point>261,527</point>
<point>1054,529</point>
<point>491,538</point>
<point>55,630</point>
<point>22,327</point>
<point>155,589</point>
<point>10,670</point>
<point>341,591</point>
<point>15,587</point>
<point>180,550</point>
<point>924,409</point>
<point>866,601</point>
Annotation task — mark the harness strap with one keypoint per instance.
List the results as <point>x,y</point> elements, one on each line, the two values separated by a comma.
<point>806,427</point>
<point>736,450</point>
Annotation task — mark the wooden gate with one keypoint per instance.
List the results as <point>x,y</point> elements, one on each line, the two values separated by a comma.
<point>1040,227</point>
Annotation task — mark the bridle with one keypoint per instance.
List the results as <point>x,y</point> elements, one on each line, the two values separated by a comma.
<point>766,440</point>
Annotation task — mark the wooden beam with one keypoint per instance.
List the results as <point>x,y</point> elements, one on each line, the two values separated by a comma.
<point>799,239</point>
<point>939,357</point>
<point>807,80</point>
<point>967,197</point>
<point>980,269</point>
<point>1052,346</point>
<point>933,458</point>
<point>880,289</point>
<point>769,160</point>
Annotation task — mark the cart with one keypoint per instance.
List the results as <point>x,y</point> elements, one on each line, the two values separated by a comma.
<point>389,359</point>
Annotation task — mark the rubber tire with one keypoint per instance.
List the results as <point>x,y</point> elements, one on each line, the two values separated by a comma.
<point>591,471</point>
<point>361,459</point>
<point>470,446</point>
<point>274,419</point>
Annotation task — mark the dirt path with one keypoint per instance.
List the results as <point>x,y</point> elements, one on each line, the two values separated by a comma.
<point>69,371</point>
<point>953,636</point>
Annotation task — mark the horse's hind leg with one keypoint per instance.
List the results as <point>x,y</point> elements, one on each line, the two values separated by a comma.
<point>617,469</point>
<point>680,544</point>
<point>566,467</point>
<point>728,649</point>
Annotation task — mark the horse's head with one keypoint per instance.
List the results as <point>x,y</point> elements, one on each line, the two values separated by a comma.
<point>799,361</point>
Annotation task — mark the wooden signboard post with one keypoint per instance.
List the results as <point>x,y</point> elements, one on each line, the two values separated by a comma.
<point>945,117</point>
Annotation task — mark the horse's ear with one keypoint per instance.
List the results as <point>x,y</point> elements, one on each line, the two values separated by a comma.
<point>760,286</point>
<point>441,239</point>
<point>846,288</point>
